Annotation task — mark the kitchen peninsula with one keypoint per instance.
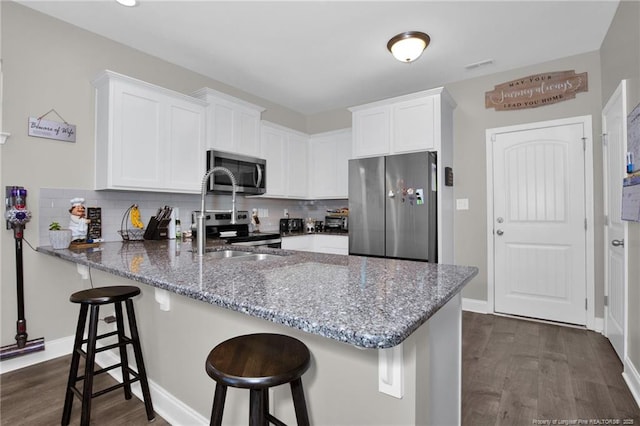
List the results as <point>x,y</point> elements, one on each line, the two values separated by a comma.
<point>384,334</point>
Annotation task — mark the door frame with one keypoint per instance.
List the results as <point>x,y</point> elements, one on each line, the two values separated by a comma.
<point>586,121</point>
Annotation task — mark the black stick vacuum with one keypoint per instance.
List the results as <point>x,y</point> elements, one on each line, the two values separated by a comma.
<point>17,216</point>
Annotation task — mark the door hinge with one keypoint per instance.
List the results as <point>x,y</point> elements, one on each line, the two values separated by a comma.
<point>493,137</point>
<point>606,301</point>
<point>606,220</point>
<point>585,224</point>
<point>584,144</point>
<point>586,304</point>
<point>605,139</point>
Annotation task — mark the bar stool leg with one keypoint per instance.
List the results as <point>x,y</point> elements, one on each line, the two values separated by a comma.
<point>265,406</point>
<point>137,350</point>
<point>218,405</point>
<point>124,360</point>
<point>89,367</point>
<point>299,403</point>
<point>256,409</point>
<point>75,360</point>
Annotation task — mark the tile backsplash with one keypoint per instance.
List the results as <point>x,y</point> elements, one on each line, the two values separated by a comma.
<point>55,204</point>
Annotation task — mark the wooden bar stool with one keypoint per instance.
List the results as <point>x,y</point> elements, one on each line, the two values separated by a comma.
<point>94,298</point>
<point>258,362</point>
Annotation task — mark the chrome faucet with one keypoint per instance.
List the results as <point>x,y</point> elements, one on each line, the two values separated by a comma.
<point>200,227</point>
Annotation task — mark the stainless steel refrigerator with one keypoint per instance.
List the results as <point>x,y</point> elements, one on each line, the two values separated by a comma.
<point>393,206</point>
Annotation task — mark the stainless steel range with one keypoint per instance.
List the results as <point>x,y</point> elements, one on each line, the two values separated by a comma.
<point>218,225</point>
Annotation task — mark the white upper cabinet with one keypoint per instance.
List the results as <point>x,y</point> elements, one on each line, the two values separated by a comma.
<point>329,155</point>
<point>233,125</point>
<point>286,152</point>
<point>414,125</point>
<point>371,131</point>
<point>274,150</point>
<point>147,137</point>
<point>404,124</point>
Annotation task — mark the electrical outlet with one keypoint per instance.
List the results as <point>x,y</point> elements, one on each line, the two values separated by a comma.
<point>462,204</point>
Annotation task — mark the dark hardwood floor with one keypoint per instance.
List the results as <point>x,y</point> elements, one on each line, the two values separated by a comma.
<point>518,372</point>
<point>35,395</point>
<point>514,372</point>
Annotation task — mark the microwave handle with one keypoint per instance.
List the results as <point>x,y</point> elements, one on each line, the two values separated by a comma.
<point>259,170</point>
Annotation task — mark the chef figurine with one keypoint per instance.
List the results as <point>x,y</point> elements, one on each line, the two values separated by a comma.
<point>255,220</point>
<point>77,221</point>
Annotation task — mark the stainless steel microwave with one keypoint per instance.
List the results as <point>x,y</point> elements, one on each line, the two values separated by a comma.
<point>250,173</point>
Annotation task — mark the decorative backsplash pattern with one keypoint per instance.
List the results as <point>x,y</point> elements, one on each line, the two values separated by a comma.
<point>55,203</point>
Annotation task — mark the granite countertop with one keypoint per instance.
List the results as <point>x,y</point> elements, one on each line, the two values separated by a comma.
<point>363,301</point>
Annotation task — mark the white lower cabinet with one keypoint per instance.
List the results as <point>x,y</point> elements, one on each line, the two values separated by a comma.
<point>147,137</point>
<point>319,243</point>
<point>298,242</point>
<point>331,244</point>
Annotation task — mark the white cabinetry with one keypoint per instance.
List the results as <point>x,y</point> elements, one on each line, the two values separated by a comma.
<point>371,131</point>
<point>147,137</point>
<point>405,124</point>
<point>319,243</point>
<point>286,152</point>
<point>332,244</point>
<point>329,155</point>
<point>298,242</point>
<point>233,125</point>
<point>421,121</point>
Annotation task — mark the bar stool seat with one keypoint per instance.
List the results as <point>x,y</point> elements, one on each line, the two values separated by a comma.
<point>94,298</point>
<point>258,362</point>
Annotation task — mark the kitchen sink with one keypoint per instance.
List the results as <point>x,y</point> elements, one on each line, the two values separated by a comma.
<point>238,255</point>
<point>226,254</point>
<point>258,256</point>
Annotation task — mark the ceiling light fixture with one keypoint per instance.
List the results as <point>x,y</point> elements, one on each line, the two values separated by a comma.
<point>128,3</point>
<point>408,46</point>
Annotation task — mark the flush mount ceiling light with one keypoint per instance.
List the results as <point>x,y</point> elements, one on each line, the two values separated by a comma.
<point>408,46</point>
<point>128,3</point>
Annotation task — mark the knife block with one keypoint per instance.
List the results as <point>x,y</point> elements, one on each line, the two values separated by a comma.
<point>157,230</point>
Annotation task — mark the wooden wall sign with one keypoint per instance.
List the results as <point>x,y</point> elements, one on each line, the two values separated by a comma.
<point>51,130</point>
<point>536,90</point>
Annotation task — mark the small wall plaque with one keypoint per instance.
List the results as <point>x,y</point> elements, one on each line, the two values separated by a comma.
<point>536,90</point>
<point>52,130</point>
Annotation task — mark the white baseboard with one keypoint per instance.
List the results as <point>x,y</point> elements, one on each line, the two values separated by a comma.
<point>52,349</point>
<point>598,325</point>
<point>166,405</point>
<point>475,305</point>
<point>632,377</point>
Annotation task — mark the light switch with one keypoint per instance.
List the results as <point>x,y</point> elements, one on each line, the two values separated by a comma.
<point>462,204</point>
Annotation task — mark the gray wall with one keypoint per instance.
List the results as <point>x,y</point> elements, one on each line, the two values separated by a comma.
<point>471,119</point>
<point>620,54</point>
<point>49,64</point>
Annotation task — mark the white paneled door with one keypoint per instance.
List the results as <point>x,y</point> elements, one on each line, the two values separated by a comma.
<point>614,130</point>
<point>539,222</point>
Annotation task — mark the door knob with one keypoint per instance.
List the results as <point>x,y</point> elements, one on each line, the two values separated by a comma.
<point>499,232</point>
<point>617,243</point>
